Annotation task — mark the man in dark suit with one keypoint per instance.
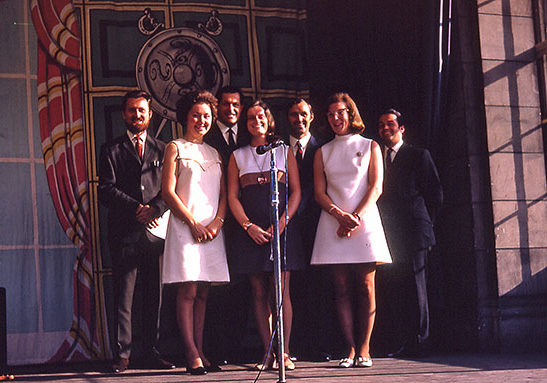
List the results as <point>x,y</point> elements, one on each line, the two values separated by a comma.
<point>308,285</point>
<point>226,135</point>
<point>304,146</point>
<point>129,186</point>
<point>228,305</point>
<point>411,198</point>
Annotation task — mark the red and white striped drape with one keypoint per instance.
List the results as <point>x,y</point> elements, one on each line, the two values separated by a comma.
<point>62,135</point>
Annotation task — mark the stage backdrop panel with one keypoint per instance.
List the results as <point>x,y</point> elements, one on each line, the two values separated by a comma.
<point>262,42</point>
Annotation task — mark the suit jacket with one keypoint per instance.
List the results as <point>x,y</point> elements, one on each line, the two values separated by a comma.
<point>412,195</point>
<point>216,140</point>
<point>308,211</point>
<point>306,176</point>
<point>125,182</point>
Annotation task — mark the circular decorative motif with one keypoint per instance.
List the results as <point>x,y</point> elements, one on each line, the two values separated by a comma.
<point>177,61</point>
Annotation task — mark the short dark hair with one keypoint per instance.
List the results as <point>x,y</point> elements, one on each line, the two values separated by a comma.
<point>397,114</point>
<point>187,101</point>
<point>356,122</point>
<point>136,94</point>
<point>299,100</point>
<point>230,89</point>
<point>270,135</point>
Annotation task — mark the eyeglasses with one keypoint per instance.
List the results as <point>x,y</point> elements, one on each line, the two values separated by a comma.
<point>339,113</point>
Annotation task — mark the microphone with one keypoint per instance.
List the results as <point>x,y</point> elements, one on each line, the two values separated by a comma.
<point>262,149</point>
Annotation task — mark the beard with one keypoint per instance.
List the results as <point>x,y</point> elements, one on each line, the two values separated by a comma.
<point>136,125</point>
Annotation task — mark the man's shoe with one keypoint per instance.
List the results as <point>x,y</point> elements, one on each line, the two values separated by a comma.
<point>158,363</point>
<point>213,368</point>
<point>416,351</point>
<point>120,366</point>
<point>196,371</point>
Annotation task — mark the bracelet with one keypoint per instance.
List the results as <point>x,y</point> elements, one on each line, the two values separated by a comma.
<point>356,216</point>
<point>332,208</point>
<point>246,225</point>
<point>220,219</point>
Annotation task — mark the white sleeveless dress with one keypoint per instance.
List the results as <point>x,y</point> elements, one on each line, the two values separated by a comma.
<point>198,186</point>
<point>346,160</point>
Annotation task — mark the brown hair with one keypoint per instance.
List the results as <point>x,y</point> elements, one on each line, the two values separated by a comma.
<point>270,135</point>
<point>357,125</point>
<point>187,101</point>
<point>136,94</point>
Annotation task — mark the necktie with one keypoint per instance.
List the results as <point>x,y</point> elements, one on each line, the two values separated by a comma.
<point>231,140</point>
<point>389,159</point>
<point>138,145</point>
<point>299,152</point>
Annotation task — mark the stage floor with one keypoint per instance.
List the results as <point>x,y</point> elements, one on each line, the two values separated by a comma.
<point>446,368</point>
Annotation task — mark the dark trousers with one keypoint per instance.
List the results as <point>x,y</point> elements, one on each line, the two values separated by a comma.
<point>404,306</point>
<point>131,261</point>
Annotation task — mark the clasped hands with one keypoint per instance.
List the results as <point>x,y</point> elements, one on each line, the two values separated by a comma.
<point>202,233</point>
<point>261,236</point>
<point>348,222</point>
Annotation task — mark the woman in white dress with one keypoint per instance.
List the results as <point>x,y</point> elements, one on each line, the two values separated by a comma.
<point>194,256</point>
<point>350,237</point>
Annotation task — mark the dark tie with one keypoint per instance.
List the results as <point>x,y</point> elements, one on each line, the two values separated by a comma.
<point>388,158</point>
<point>138,145</point>
<point>231,140</point>
<point>299,152</point>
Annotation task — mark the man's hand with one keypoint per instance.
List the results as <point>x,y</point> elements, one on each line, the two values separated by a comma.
<point>146,213</point>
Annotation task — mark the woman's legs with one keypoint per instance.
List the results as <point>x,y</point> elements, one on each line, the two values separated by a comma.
<point>200,306</point>
<point>366,306</point>
<point>263,313</point>
<point>287,309</point>
<point>186,296</point>
<point>342,293</point>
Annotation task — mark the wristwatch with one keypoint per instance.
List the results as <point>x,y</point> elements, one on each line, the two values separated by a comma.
<point>246,225</point>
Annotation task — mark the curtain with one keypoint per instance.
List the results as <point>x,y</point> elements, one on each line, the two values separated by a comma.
<point>63,147</point>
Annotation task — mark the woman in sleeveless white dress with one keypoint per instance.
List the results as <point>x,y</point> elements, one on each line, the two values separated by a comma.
<point>193,188</point>
<point>350,236</point>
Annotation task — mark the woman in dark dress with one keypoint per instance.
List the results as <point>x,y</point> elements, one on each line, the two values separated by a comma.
<point>249,201</point>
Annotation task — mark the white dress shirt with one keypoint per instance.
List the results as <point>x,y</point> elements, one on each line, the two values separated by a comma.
<point>224,130</point>
<point>303,141</point>
<point>133,138</point>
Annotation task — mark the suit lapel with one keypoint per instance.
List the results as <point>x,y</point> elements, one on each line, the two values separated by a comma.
<point>129,148</point>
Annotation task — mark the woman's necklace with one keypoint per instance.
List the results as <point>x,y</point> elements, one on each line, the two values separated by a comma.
<point>261,179</point>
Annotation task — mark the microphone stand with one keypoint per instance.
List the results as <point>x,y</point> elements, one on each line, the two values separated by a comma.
<point>274,191</point>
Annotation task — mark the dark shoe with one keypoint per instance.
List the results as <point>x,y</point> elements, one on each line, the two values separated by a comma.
<point>213,368</point>
<point>120,366</point>
<point>196,371</point>
<point>414,351</point>
<point>160,364</point>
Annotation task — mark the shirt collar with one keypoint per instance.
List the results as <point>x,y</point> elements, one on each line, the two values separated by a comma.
<point>141,135</point>
<point>224,129</point>
<point>397,146</point>
<point>303,141</point>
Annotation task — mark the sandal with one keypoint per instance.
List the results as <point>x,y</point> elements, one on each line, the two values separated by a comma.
<point>288,363</point>
<point>270,364</point>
